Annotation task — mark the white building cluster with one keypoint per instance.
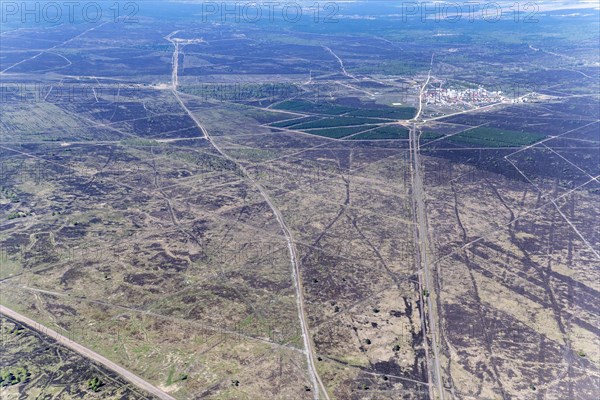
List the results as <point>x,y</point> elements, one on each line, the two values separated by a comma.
<point>478,96</point>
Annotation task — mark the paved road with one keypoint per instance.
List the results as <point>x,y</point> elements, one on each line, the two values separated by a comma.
<point>84,351</point>
<point>422,249</point>
<point>422,237</point>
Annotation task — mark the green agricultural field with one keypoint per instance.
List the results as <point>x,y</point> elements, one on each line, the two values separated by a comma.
<point>291,122</point>
<point>388,113</point>
<point>382,133</point>
<point>430,135</point>
<point>337,133</point>
<point>337,121</point>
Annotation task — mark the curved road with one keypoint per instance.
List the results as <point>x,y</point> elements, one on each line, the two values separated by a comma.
<point>316,381</point>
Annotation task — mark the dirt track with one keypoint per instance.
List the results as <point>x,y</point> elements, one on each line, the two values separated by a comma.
<point>92,355</point>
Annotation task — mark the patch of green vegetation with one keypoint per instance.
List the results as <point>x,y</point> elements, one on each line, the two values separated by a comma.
<point>326,108</point>
<point>337,121</point>
<point>337,133</point>
<point>170,378</point>
<point>292,122</point>
<point>387,112</point>
<point>384,132</point>
<point>9,194</point>
<point>431,135</point>
<point>13,375</point>
<point>493,137</point>
<point>17,214</point>
<point>17,330</point>
<point>95,384</point>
